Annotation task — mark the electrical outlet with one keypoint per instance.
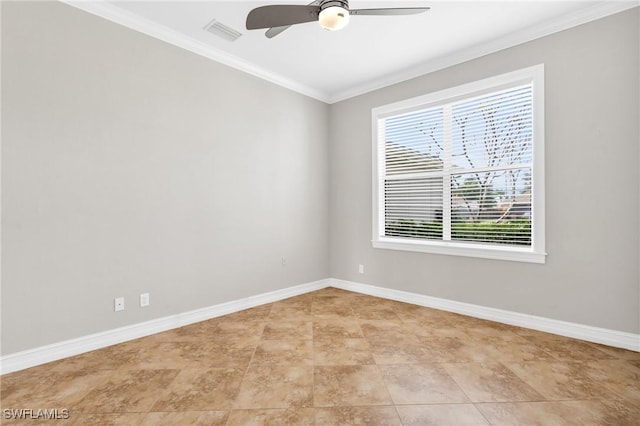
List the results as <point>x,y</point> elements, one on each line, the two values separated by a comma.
<point>118,304</point>
<point>144,300</point>
<point>361,269</point>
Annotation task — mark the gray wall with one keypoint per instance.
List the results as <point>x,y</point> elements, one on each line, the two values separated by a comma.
<point>592,163</point>
<point>130,165</point>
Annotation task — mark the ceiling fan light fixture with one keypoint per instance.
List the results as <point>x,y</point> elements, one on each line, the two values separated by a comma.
<point>333,18</point>
<point>332,15</point>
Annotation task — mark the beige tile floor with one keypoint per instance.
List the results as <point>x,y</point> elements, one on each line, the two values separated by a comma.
<point>332,357</point>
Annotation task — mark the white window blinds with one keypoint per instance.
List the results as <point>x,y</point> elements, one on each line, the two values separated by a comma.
<point>459,170</point>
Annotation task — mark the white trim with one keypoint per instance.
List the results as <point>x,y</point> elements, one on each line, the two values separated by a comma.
<point>597,11</point>
<point>589,333</point>
<point>538,224</point>
<point>536,252</point>
<point>462,91</point>
<point>43,354</point>
<point>115,14</point>
<point>513,254</point>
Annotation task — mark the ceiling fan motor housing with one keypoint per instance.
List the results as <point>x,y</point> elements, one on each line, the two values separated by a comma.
<point>334,14</point>
<point>334,3</point>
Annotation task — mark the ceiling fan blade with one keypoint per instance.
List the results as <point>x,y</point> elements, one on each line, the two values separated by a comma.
<point>272,32</point>
<point>281,16</point>
<point>392,11</point>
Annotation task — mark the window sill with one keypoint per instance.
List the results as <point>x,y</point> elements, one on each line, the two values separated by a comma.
<point>460,249</point>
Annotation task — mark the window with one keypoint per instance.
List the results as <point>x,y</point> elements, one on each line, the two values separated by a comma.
<point>461,171</point>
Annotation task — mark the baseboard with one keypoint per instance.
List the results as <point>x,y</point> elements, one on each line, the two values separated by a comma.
<point>579,331</point>
<point>43,354</point>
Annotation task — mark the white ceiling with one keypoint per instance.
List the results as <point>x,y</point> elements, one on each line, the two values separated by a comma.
<point>371,52</point>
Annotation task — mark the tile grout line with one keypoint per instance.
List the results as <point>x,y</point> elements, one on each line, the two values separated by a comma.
<point>612,392</point>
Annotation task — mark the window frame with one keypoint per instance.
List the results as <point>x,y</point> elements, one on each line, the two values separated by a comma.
<point>533,254</point>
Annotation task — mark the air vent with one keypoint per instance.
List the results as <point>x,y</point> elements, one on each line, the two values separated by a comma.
<point>221,30</point>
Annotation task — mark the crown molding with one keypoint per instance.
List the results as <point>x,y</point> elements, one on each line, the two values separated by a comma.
<point>115,14</point>
<point>599,10</point>
<point>119,16</point>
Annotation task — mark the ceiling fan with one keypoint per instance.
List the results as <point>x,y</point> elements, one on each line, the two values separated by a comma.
<point>332,15</point>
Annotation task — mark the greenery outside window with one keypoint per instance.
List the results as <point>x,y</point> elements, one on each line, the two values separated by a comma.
<point>461,171</point>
